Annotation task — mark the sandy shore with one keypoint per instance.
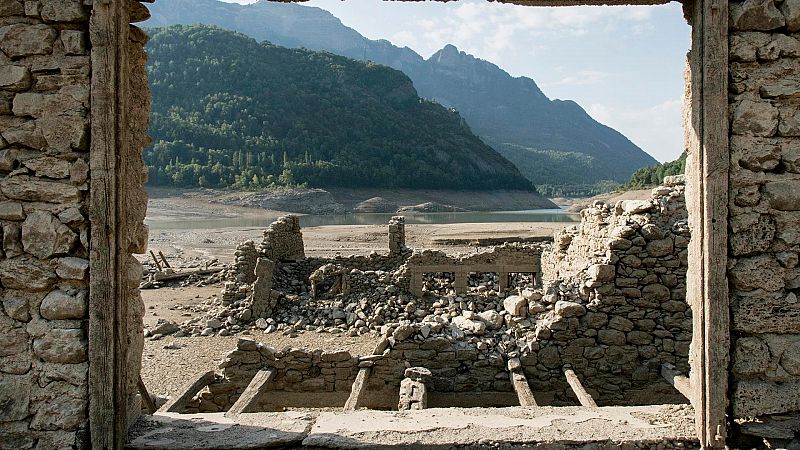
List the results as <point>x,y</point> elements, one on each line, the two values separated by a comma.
<point>191,226</point>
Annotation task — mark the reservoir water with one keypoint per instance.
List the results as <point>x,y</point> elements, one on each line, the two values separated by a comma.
<point>538,215</point>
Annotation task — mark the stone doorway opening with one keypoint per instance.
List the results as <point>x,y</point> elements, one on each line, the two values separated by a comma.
<point>113,21</point>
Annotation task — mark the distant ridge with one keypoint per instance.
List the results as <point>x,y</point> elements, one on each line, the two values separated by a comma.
<point>230,112</point>
<point>550,141</point>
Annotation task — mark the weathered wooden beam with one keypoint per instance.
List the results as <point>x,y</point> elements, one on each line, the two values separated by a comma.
<point>358,388</point>
<point>679,381</point>
<point>177,275</point>
<point>175,403</point>
<point>164,259</point>
<point>155,260</point>
<point>523,390</point>
<point>578,389</point>
<point>258,385</point>
<point>148,401</point>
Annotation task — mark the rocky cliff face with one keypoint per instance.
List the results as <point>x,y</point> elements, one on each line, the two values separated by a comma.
<point>510,114</point>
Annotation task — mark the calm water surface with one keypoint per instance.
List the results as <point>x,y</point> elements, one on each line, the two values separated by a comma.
<point>538,215</point>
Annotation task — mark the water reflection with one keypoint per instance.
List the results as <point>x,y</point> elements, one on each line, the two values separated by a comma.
<point>538,215</point>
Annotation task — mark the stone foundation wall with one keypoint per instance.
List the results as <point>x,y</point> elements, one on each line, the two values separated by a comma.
<point>764,217</point>
<point>44,172</point>
<point>299,371</point>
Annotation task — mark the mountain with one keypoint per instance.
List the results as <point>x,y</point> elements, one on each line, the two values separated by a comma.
<point>228,111</point>
<point>546,139</point>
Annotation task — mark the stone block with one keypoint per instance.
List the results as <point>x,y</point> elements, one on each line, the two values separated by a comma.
<point>38,190</point>
<point>601,272</point>
<point>43,235</point>
<point>753,236</point>
<point>11,8</point>
<point>516,305</point>
<point>661,247</point>
<point>656,292</point>
<point>63,11</point>
<point>15,397</point>
<point>62,346</point>
<point>14,78</point>
<point>60,406</point>
<point>48,166</point>
<point>768,313</point>
<point>60,305</point>
<point>569,309</point>
<point>791,12</point>
<point>755,118</point>
<point>27,273</point>
<point>18,40</point>
<point>757,398</point>
<point>11,211</point>
<point>789,124</point>
<point>15,341</point>
<point>756,154</point>
<point>758,272</point>
<point>611,337</point>
<point>751,356</point>
<point>756,15</point>
<point>38,105</point>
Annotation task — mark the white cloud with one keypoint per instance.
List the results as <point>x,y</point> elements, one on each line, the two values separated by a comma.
<point>581,78</point>
<point>657,129</point>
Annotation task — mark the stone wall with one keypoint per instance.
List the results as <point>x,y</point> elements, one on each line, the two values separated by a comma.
<point>44,142</point>
<point>614,302</point>
<point>325,378</point>
<point>283,240</point>
<point>397,235</point>
<point>764,217</point>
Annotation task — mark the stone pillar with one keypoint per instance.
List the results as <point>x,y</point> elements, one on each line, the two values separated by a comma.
<point>413,393</point>
<point>503,281</point>
<point>416,283</point>
<point>397,235</point>
<point>262,288</point>
<point>461,282</point>
<point>246,257</point>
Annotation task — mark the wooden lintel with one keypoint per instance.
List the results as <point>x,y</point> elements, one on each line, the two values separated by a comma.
<point>523,390</point>
<point>258,385</point>
<point>175,403</point>
<point>677,380</point>
<point>357,389</point>
<point>578,389</point>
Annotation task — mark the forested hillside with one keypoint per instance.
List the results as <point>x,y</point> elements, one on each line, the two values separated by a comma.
<point>228,111</point>
<point>552,142</point>
<point>654,175</point>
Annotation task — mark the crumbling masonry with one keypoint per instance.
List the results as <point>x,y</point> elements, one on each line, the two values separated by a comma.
<point>73,97</point>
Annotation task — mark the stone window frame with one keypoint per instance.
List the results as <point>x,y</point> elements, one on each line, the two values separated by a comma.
<point>707,134</point>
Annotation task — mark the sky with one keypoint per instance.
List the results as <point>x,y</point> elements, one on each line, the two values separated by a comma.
<point>623,64</point>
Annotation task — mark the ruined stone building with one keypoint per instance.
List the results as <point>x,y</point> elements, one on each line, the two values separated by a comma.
<point>74,106</point>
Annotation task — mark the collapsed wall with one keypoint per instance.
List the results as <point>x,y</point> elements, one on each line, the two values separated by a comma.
<point>615,294</point>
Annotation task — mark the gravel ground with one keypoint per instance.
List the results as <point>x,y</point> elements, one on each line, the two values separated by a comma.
<point>165,371</point>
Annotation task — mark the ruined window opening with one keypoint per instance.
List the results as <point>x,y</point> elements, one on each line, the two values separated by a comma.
<point>708,412</point>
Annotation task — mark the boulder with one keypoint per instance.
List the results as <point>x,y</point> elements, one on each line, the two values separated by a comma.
<point>569,309</point>
<point>516,305</point>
